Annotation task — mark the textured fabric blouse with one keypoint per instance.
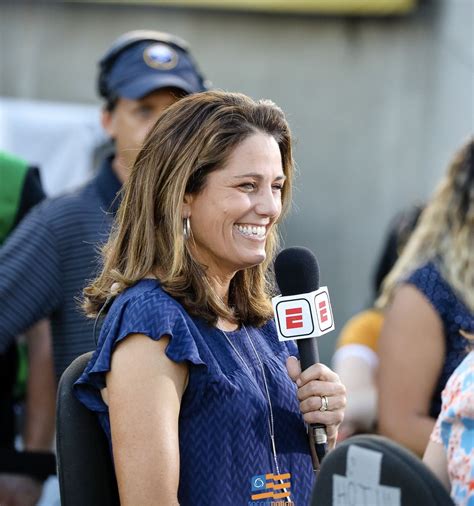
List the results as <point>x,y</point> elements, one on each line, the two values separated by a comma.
<point>454,315</point>
<point>454,429</point>
<point>223,422</point>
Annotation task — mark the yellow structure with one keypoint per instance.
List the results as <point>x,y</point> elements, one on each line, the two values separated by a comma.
<point>330,7</point>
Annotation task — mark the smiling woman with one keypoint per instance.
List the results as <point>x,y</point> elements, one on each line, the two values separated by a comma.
<point>189,380</point>
<point>218,150</point>
<point>231,217</point>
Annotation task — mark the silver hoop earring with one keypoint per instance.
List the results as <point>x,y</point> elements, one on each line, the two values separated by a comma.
<point>186,228</point>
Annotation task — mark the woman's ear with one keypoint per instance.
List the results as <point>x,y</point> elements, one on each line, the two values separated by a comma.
<point>186,209</point>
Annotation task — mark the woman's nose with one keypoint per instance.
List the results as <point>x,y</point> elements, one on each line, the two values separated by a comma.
<point>269,203</point>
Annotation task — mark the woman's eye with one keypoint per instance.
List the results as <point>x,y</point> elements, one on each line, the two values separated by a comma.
<point>248,186</point>
<point>278,187</point>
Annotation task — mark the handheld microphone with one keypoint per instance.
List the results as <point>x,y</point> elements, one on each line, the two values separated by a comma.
<point>297,272</point>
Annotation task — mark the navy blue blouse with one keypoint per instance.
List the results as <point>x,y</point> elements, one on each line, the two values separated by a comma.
<point>223,423</point>
<point>454,315</point>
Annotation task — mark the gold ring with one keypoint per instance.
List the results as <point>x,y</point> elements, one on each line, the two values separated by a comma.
<point>324,403</point>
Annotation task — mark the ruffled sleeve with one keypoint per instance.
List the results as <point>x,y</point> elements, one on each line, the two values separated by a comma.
<point>153,314</point>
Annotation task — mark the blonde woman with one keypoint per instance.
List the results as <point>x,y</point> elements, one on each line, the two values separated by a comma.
<point>191,385</point>
<point>429,301</point>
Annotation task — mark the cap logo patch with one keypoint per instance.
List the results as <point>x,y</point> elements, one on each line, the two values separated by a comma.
<point>160,56</point>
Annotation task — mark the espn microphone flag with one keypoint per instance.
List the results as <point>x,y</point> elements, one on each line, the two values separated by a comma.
<point>304,315</point>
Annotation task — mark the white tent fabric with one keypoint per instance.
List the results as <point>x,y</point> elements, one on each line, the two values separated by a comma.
<point>60,138</point>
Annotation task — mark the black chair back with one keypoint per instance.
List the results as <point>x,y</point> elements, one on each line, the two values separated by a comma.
<point>372,470</point>
<point>85,469</point>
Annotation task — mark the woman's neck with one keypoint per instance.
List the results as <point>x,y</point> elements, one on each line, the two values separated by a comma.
<point>221,286</point>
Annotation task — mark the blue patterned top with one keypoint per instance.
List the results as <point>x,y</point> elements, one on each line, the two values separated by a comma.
<point>223,423</point>
<point>454,315</point>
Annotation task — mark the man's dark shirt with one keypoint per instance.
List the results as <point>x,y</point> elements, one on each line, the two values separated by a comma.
<point>47,261</point>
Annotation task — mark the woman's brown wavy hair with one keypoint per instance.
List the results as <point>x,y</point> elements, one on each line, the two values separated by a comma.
<point>193,138</point>
<point>444,233</point>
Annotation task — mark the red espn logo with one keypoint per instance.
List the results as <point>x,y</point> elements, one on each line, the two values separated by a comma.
<point>294,318</point>
<point>323,311</point>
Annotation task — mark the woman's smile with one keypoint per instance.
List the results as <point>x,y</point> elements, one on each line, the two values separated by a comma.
<point>252,232</point>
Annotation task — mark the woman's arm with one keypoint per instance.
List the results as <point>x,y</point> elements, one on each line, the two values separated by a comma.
<point>358,375</point>
<point>356,361</point>
<point>435,459</point>
<point>41,389</point>
<point>144,391</point>
<point>411,352</point>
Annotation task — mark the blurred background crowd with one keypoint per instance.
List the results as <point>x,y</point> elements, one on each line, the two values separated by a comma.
<point>380,99</point>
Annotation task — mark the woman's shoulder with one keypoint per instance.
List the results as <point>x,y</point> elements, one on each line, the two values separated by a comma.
<point>147,289</point>
<point>425,274</point>
<point>429,280</point>
<point>143,295</point>
<point>143,308</point>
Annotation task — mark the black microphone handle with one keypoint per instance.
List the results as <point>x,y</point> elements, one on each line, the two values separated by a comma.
<point>309,355</point>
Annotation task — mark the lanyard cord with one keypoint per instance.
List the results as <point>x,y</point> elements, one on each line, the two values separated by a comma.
<point>271,425</point>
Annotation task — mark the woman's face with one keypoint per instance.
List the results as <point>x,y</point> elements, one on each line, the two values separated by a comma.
<point>233,214</point>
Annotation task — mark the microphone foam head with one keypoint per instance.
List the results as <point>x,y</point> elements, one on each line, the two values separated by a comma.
<point>296,271</point>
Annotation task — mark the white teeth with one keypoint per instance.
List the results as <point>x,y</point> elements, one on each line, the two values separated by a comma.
<point>251,230</point>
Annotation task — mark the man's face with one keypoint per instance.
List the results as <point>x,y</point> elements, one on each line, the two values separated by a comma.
<point>131,120</point>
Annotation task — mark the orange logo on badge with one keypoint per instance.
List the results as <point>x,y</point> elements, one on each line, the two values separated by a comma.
<point>270,486</point>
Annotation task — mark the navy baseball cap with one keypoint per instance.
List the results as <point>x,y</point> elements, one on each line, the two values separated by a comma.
<point>148,65</point>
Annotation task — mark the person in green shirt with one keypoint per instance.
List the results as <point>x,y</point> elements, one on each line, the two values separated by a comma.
<point>20,190</point>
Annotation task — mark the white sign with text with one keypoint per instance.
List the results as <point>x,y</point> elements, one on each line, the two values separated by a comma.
<point>361,485</point>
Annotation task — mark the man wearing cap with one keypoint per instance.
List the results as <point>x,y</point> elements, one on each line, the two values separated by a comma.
<point>142,74</point>
<point>48,259</point>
